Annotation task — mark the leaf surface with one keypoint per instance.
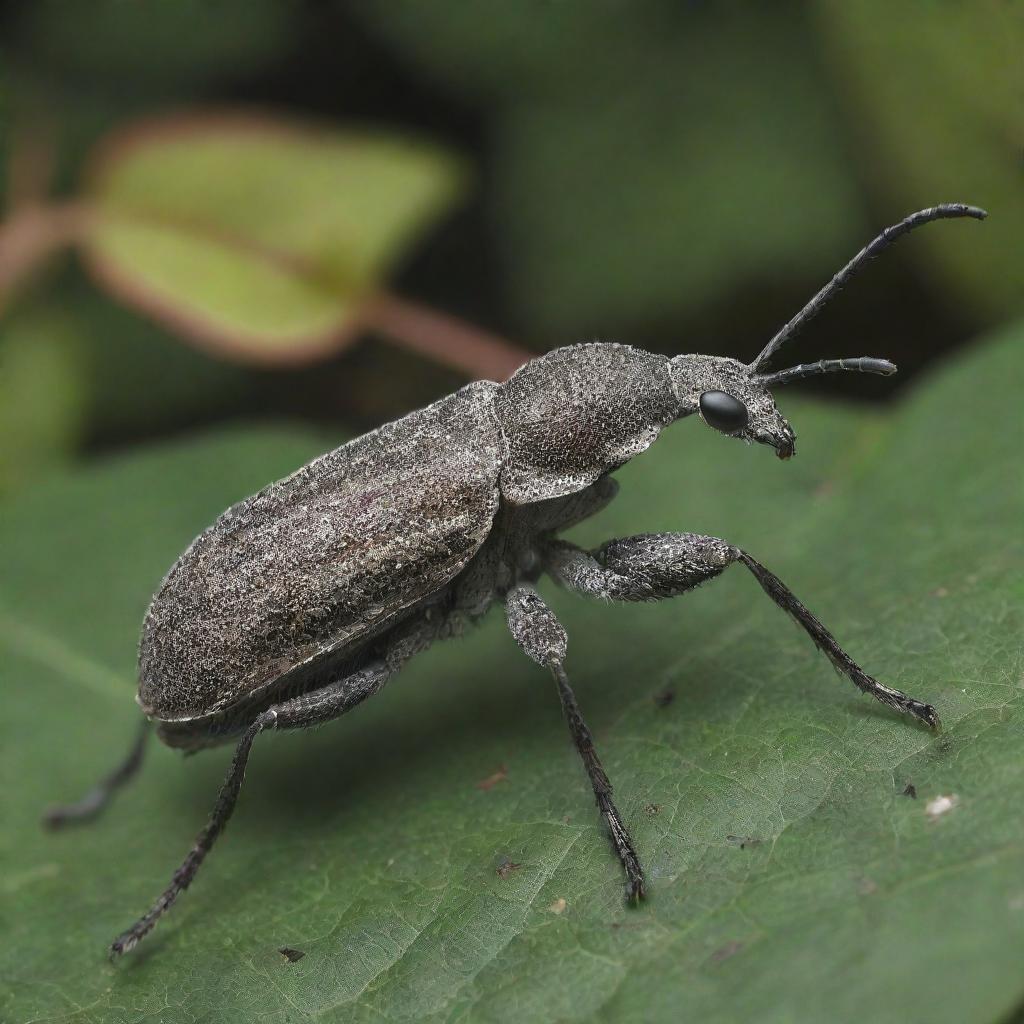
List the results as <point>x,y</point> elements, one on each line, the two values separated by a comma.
<point>790,878</point>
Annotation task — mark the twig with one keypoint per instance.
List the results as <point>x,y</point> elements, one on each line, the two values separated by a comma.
<point>35,232</point>
<point>30,236</point>
<point>444,338</point>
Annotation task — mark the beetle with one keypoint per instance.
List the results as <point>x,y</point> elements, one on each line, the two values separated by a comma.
<point>301,601</point>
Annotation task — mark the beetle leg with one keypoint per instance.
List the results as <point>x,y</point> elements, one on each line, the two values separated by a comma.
<point>649,567</point>
<point>535,628</point>
<point>308,709</point>
<point>90,805</point>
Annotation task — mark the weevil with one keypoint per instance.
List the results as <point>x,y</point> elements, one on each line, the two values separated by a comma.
<point>301,601</point>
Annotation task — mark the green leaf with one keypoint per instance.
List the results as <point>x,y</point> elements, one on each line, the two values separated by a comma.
<point>42,397</point>
<point>790,879</point>
<point>259,238</point>
<point>938,89</point>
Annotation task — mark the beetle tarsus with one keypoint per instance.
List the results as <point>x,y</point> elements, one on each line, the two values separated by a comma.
<point>93,803</point>
<point>925,713</point>
<point>636,891</point>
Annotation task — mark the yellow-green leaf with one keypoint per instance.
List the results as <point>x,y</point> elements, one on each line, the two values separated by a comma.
<point>258,237</point>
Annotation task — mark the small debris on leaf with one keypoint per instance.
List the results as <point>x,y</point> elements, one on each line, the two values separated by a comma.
<point>652,809</point>
<point>910,790</point>
<point>726,951</point>
<point>505,868</point>
<point>940,592</point>
<point>492,780</point>
<point>291,955</point>
<point>665,697</point>
<point>742,841</point>
<point>866,887</point>
<point>558,906</point>
<point>941,805</point>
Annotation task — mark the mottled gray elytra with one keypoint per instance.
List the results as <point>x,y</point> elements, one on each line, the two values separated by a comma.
<point>302,601</point>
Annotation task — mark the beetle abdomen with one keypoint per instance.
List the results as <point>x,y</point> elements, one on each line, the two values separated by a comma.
<point>320,559</point>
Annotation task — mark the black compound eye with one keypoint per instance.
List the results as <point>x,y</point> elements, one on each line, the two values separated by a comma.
<point>723,412</point>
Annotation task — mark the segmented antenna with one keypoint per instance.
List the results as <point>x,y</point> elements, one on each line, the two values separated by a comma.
<point>883,241</point>
<point>862,364</point>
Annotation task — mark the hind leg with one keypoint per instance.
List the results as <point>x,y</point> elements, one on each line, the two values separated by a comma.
<point>309,709</point>
<point>93,803</point>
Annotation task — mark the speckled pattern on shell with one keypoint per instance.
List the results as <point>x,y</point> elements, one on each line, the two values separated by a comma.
<point>579,412</point>
<point>323,557</point>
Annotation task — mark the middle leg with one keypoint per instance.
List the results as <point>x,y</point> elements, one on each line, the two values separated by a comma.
<point>534,627</point>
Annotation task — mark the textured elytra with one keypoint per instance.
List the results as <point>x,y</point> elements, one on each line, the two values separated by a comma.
<point>323,557</point>
<point>785,753</point>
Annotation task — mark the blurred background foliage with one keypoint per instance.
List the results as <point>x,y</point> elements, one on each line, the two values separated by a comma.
<point>320,183</point>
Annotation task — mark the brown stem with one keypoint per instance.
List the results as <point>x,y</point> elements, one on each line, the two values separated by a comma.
<point>444,338</point>
<point>32,234</point>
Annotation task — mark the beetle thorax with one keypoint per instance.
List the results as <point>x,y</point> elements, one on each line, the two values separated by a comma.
<point>579,412</point>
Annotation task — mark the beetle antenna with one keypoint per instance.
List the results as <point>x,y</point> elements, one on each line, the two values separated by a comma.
<point>883,241</point>
<point>862,364</point>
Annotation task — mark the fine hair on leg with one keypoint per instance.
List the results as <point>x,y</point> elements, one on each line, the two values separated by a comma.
<point>826,643</point>
<point>654,566</point>
<point>93,803</point>
<point>636,887</point>
<point>313,708</point>
<point>541,637</point>
<point>219,816</point>
<point>321,705</point>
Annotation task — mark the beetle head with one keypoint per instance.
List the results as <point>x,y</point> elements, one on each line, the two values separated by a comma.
<point>734,399</point>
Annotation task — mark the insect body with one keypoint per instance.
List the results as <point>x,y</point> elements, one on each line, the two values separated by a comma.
<point>303,600</point>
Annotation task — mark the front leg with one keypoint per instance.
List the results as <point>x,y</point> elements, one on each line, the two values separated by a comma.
<point>534,627</point>
<point>652,566</point>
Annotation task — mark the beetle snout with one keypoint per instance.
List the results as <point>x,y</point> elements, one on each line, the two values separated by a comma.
<point>785,442</point>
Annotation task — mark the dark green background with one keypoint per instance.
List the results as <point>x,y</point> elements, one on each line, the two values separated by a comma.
<point>681,176</point>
